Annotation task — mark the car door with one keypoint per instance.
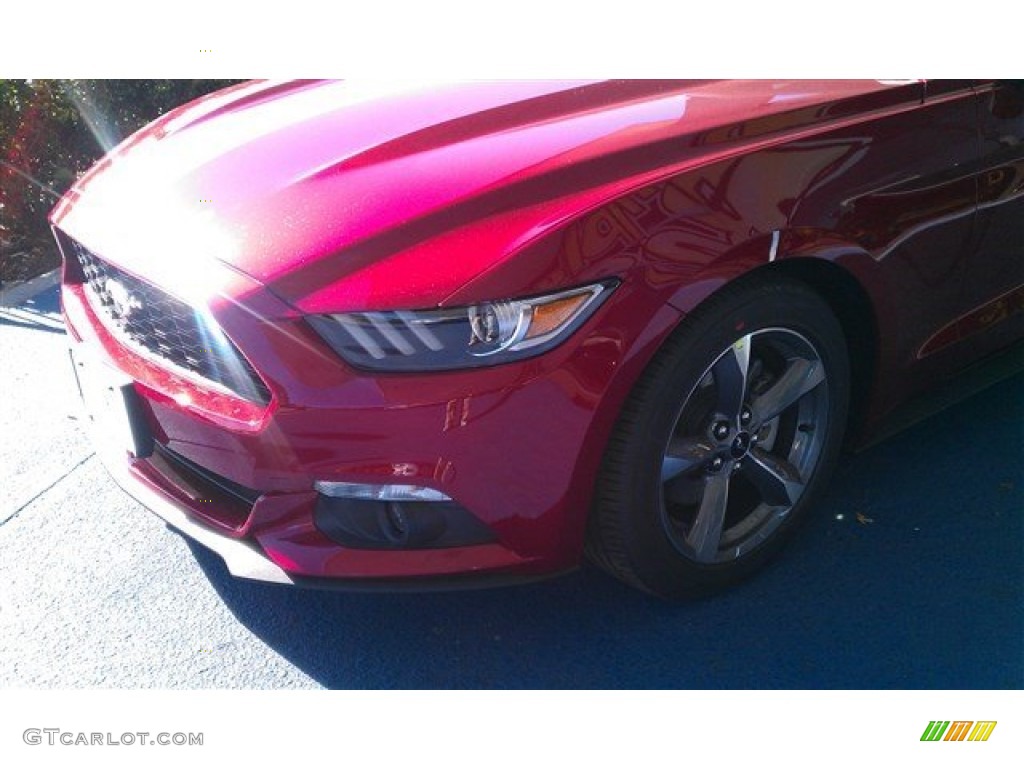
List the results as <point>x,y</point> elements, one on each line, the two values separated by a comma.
<point>995,279</point>
<point>906,192</point>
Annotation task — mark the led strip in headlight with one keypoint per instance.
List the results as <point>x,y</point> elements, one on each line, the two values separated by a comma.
<point>465,337</point>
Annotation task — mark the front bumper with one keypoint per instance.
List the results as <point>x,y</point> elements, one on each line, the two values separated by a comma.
<point>245,559</point>
<point>518,446</point>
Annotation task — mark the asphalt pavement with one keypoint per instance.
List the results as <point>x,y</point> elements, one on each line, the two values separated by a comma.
<point>911,575</point>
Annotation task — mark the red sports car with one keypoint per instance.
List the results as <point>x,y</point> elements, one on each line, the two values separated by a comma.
<point>420,334</point>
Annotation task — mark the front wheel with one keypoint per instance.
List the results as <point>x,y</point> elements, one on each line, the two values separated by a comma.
<point>725,441</point>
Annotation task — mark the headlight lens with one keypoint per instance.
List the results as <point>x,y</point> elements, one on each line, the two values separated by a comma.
<point>466,337</point>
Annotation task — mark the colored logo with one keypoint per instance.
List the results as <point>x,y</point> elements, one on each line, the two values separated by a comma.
<point>958,730</point>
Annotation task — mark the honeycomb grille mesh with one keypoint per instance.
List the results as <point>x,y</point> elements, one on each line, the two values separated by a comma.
<point>149,320</point>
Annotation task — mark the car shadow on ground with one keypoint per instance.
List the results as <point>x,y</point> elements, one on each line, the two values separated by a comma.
<point>910,575</point>
<point>39,313</point>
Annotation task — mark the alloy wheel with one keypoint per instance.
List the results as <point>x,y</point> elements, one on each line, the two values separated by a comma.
<point>744,446</point>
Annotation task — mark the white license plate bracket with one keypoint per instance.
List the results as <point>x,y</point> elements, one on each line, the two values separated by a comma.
<point>111,404</point>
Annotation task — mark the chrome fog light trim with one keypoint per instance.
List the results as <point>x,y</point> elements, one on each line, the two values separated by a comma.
<point>379,492</point>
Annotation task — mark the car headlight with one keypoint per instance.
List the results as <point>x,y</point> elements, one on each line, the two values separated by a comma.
<point>466,337</point>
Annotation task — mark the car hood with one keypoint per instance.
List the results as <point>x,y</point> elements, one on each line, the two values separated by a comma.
<point>304,185</point>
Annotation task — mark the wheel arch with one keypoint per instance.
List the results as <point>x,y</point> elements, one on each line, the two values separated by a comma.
<point>855,312</point>
<point>838,272</point>
<point>842,273</point>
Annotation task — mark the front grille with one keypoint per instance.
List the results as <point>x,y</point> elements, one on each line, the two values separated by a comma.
<point>149,320</point>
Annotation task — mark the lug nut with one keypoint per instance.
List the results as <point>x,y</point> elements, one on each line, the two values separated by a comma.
<point>720,430</point>
<point>745,416</point>
<point>716,464</point>
<point>736,466</point>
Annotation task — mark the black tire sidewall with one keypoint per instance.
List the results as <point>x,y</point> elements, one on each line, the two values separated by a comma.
<point>648,421</point>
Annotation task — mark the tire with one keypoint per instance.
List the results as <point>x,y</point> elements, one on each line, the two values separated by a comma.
<point>725,442</point>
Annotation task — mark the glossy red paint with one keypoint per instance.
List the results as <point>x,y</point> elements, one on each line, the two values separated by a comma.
<point>267,202</point>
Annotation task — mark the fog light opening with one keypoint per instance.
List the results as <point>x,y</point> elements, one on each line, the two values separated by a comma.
<point>395,517</point>
<point>396,524</point>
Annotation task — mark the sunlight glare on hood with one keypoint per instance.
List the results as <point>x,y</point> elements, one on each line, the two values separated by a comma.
<point>158,235</point>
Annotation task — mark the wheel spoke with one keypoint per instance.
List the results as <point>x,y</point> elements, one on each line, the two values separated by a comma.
<point>777,480</point>
<point>683,454</point>
<point>799,378</point>
<point>731,377</point>
<point>707,527</point>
